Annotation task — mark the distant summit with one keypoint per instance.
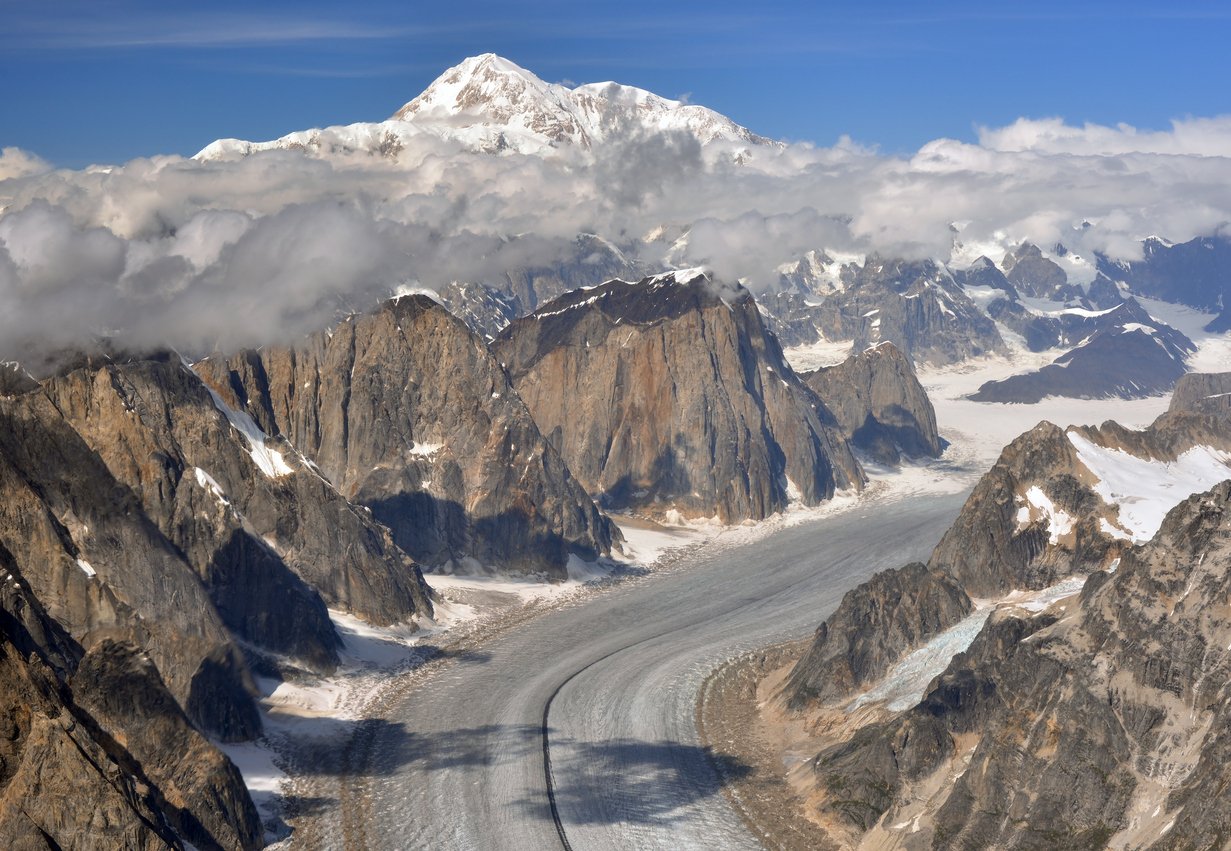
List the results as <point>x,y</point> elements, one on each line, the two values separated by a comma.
<point>492,105</point>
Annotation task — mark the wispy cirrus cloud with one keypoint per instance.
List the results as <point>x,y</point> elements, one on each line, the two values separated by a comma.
<point>90,30</point>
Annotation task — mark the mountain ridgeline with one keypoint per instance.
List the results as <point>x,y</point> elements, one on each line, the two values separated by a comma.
<point>405,412</point>
<point>879,403</point>
<point>1095,715</point>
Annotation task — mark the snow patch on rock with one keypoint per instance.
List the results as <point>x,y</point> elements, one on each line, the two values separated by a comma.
<point>1039,505</point>
<point>269,460</point>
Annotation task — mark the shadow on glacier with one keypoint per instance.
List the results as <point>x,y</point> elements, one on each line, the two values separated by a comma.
<point>633,781</point>
<point>379,748</point>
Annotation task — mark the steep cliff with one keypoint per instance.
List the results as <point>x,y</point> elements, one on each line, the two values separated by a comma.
<point>95,752</point>
<point>104,571</point>
<point>669,394</point>
<point>876,624</point>
<point>1203,393</point>
<point>879,403</point>
<point>267,534</point>
<point>1037,276</point>
<point>1063,501</point>
<point>405,411</point>
<point>918,306</point>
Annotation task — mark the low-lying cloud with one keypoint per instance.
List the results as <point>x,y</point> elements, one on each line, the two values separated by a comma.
<point>200,255</point>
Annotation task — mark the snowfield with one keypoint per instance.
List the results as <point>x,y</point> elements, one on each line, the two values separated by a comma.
<point>1145,489</point>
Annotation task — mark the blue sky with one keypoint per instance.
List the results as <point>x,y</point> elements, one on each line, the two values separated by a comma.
<point>109,80</point>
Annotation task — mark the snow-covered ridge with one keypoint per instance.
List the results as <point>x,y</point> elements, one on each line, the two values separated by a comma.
<point>1145,489</point>
<point>488,103</point>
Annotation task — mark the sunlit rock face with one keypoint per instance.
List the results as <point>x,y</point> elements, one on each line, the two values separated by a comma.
<point>1098,718</point>
<point>669,395</point>
<point>95,560</point>
<point>96,746</point>
<point>406,412</point>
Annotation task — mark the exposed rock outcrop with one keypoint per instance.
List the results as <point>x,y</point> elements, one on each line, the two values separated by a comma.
<point>14,380</point>
<point>94,751</point>
<point>1103,720</point>
<point>984,273</point>
<point>1196,273</point>
<point>405,411</point>
<point>793,310</point>
<point>1057,503</point>
<point>880,404</point>
<point>1036,276</point>
<point>104,571</point>
<point>484,309</point>
<point>1028,521</point>
<point>918,306</point>
<point>1063,501</point>
<point>669,394</point>
<point>488,307</point>
<point>876,624</point>
<point>267,534</point>
<point>1122,352</point>
<point>1202,393</point>
<point>154,445</point>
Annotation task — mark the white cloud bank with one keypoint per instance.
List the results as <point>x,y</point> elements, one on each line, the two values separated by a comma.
<point>204,254</point>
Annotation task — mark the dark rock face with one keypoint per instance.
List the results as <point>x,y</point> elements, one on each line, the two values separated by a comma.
<point>1196,273</point>
<point>1033,520</point>
<point>1104,294</point>
<point>488,307</point>
<point>1004,538</point>
<point>670,394</point>
<point>406,412</point>
<point>876,624</point>
<point>1034,275</point>
<point>95,752</point>
<point>14,380</point>
<point>587,262</point>
<point>879,403</point>
<point>918,306</point>
<point>267,534</point>
<point>146,426</point>
<point>201,793</point>
<point>1038,332</point>
<point>792,316</point>
<point>1125,353</point>
<point>793,310</point>
<point>864,777</point>
<point>1102,725</point>
<point>84,545</point>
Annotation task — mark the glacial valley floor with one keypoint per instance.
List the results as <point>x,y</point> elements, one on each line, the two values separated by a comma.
<point>601,695</point>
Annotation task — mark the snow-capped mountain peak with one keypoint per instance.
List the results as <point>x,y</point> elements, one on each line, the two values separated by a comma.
<point>491,104</point>
<point>490,89</point>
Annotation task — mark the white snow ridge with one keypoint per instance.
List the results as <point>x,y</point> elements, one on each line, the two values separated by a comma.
<point>1145,489</point>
